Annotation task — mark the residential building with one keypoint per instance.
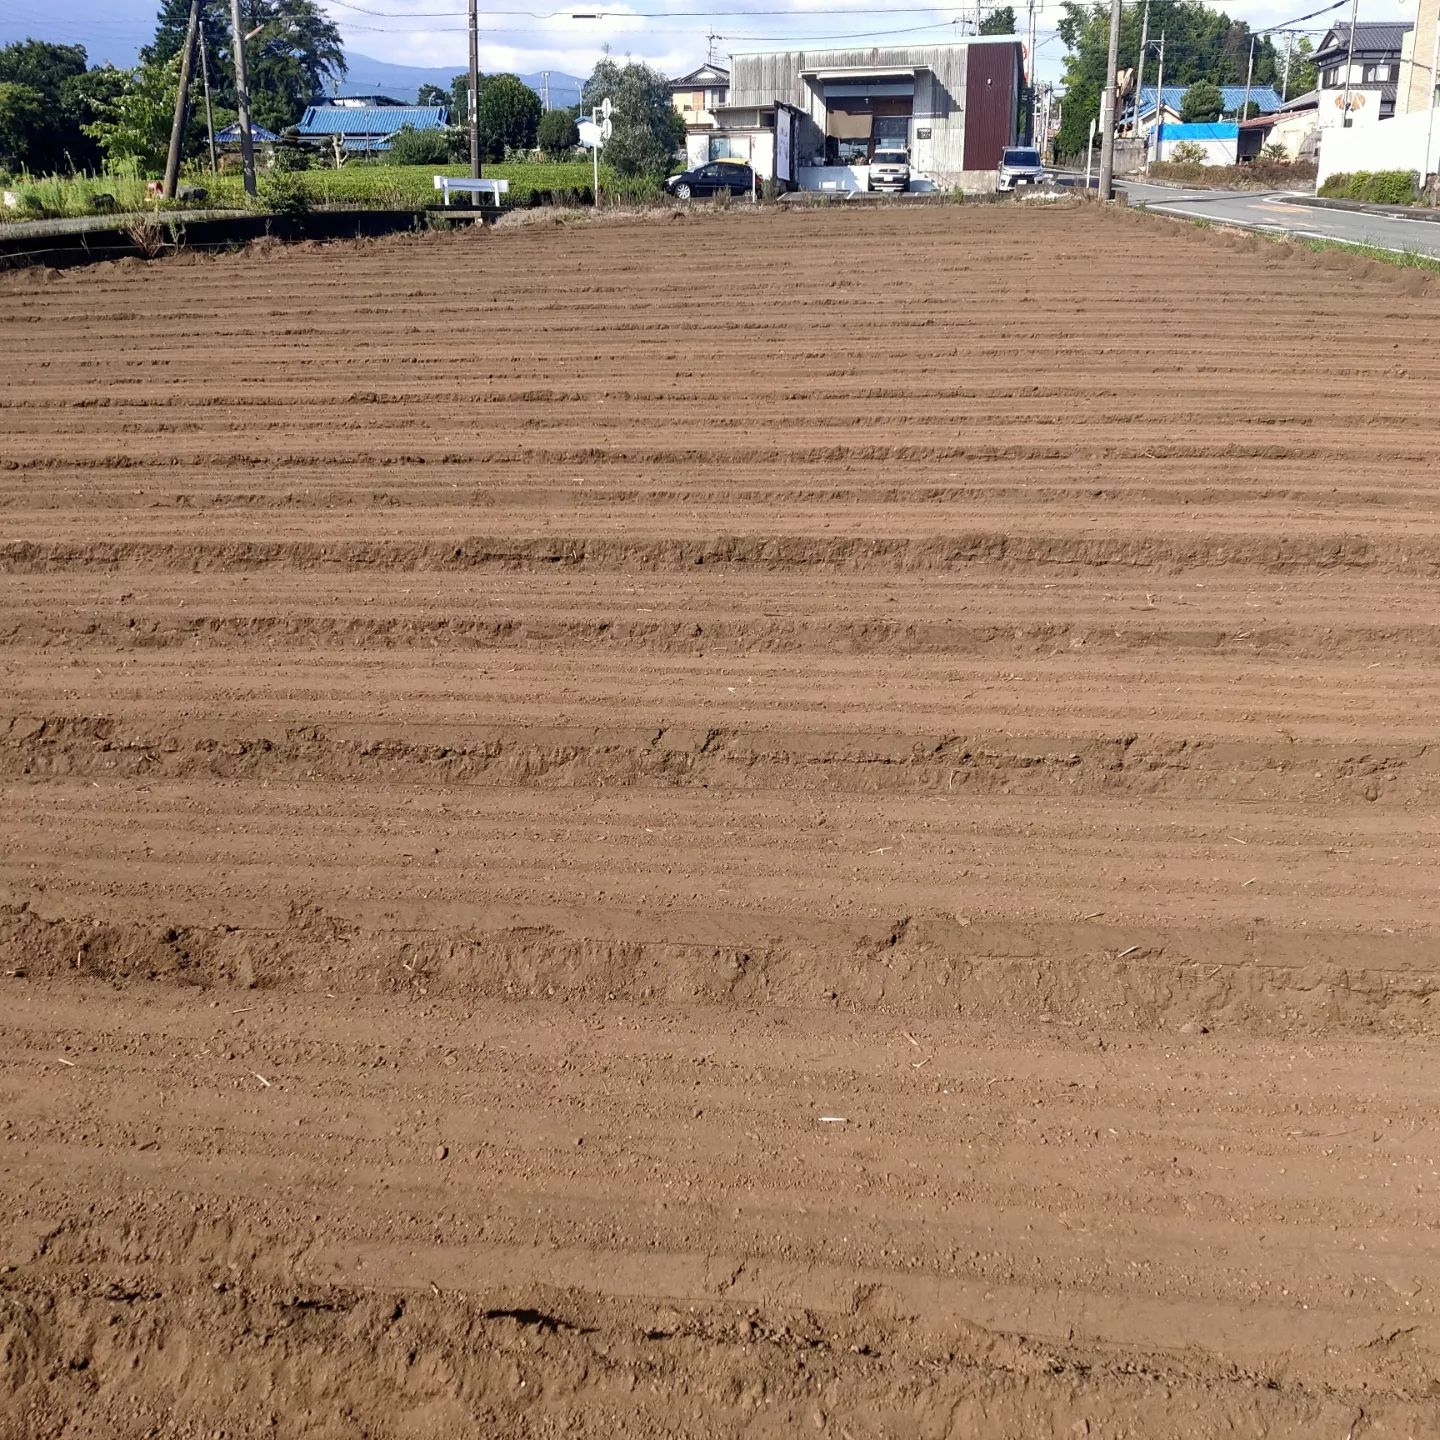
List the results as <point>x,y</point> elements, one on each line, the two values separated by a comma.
<point>1365,79</point>
<point>358,130</point>
<point>954,107</point>
<point>1295,128</point>
<point>697,95</point>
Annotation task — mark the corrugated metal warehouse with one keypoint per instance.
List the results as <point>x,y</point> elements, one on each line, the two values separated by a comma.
<point>954,107</point>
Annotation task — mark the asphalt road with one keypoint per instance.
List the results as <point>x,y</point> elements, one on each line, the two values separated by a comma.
<point>1275,211</point>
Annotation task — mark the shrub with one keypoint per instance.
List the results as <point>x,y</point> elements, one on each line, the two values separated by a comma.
<point>1189,152</point>
<point>283,192</point>
<point>1374,187</point>
<point>419,147</point>
<point>557,134</point>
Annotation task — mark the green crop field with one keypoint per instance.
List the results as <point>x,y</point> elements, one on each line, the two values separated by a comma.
<point>378,186</point>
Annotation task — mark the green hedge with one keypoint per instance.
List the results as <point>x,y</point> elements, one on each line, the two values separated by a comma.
<point>1376,187</point>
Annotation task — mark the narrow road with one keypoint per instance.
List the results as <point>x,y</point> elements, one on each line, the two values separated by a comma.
<point>1275,211</point>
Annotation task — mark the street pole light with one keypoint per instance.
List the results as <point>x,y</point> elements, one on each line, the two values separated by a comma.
<point>1430,124</point>
<point>1107,108</point>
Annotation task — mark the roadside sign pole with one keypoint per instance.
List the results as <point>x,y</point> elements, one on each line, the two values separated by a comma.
<point>1089,155</point>
<point>604,128</point>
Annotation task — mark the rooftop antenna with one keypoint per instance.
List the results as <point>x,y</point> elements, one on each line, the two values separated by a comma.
<point>710,40</point>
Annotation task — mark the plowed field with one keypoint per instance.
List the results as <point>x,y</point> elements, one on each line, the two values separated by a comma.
<point>759,824</point>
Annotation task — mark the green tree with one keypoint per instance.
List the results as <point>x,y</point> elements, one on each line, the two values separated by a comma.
<point>1202,103</point>
<point>557,133</point>
<point>460,98</point>
<point>508,115</point>
<point>419,147</point>
<point>47,135</point>
<point>292,53</point>
<point>135,124</point>
<point>644,119</point>
<point>22,117</point>
<point>1303,77</point>
<point>1200,44</point>
<point>999,22</point>
<point>434,95</point>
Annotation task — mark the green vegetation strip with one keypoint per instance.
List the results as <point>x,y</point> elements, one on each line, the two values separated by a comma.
<point>378,186</point>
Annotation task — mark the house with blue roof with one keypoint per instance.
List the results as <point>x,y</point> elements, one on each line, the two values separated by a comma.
<point>365,129</point>
<point>1160,123</point>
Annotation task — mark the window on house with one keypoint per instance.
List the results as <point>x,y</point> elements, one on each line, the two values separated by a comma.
<point>1331,77</point>
<point>1376,74</point>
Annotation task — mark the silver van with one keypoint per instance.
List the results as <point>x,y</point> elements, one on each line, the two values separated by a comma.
<point>1019,165</point>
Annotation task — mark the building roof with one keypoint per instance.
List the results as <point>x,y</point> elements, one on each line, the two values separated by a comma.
<point>701,76</point>
<point>259,135</point>
<point>1232,97</point>
<point>1372,37</point>
<point>1308,101</point>
<point>369,121</point>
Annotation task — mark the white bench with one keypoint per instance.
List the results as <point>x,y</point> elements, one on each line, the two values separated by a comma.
<point>481,188</point>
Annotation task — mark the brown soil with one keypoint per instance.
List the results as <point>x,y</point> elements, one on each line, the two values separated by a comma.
<point>822,821</point>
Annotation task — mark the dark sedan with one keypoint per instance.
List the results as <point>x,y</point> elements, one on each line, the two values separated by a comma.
<point>734,178</point>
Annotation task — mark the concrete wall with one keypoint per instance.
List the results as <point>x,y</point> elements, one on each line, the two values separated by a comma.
<point>1218,140</point>
<point>1395,144</point>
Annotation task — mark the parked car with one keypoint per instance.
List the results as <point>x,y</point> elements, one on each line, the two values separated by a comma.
<point>889,170</point>
<point>734,177</point>
<point>1020,165</point>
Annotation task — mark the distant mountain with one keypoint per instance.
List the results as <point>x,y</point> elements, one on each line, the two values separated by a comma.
<point>369,76</point>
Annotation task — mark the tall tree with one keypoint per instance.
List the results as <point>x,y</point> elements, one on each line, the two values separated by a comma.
<point>509,112</point>
<point>643,119</point>
<point>292,53</point>
<point>999,22</point>
<point>45,108</point>
<point>1200,44</point>
<point>434,95</point>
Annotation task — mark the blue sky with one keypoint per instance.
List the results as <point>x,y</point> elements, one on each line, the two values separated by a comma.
<point>432,32</point>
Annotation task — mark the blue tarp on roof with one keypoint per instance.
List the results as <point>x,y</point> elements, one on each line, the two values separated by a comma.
<point>1232,97</point>
<point>371,122</point>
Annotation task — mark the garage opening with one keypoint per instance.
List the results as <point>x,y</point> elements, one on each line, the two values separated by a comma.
<point>863,115</point>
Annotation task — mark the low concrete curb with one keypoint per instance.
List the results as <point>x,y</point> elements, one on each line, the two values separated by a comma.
<point>1361,207</point>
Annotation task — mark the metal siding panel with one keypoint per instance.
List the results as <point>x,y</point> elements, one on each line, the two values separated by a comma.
<point>990,104</point>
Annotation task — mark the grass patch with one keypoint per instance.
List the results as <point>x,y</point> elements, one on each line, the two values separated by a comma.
<point>380,187</point>
<point>1401,259</point>
<point>1261,174</point>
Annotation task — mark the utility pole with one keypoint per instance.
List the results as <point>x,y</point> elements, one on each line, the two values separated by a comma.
<point>546,105</point>
<point>474,90</point>
<point>1030,62</point>
<point>1245,104</point>
<point>182,104</point>
<point>1107,107</point>
<point>1430,92</point>
<point>1285,65</point>
<point>209,114</point>
<point>1350,62</point>
<point>242,98</point>
<point>1159,106</point>
<point>1140,69</point>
